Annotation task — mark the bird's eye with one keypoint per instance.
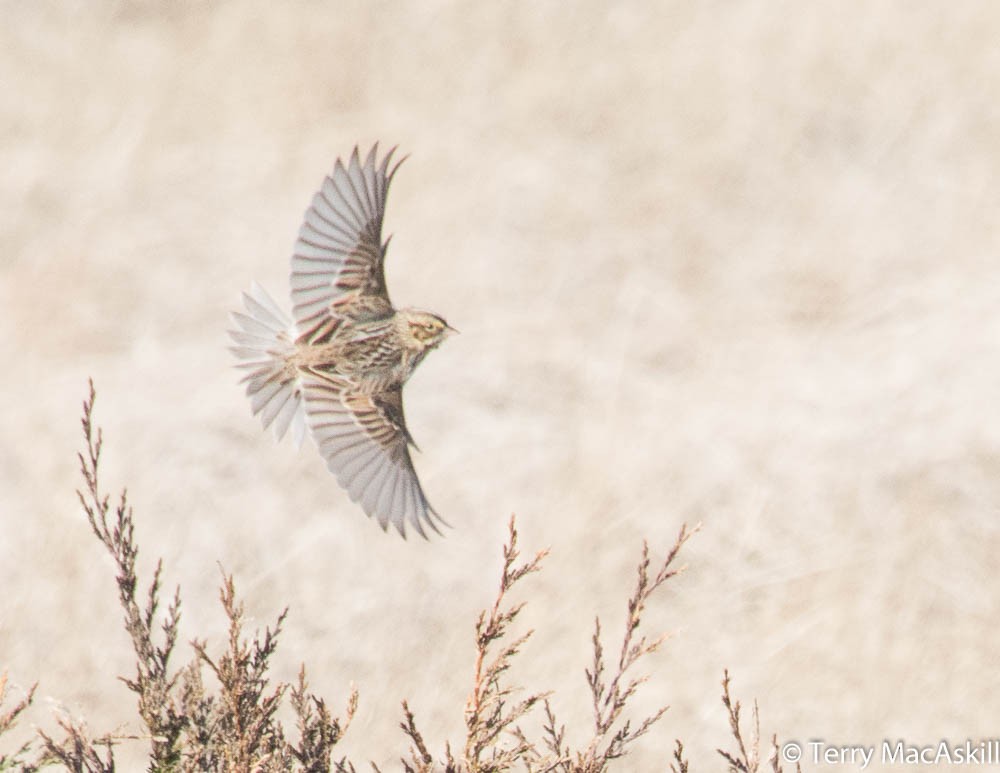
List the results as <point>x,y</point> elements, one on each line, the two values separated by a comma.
<point>423,330</point>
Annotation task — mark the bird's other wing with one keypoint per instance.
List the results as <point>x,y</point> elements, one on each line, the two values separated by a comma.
<point>337,267</point>
<point>364,440</point>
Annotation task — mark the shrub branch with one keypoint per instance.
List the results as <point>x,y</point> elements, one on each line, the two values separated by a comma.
<point>191,726</point>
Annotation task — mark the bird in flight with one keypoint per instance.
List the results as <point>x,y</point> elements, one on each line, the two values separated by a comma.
<point>338,365</point>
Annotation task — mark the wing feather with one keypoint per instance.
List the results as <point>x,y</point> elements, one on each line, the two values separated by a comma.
<point>284,418</point>
<point>339,255</point>
<point>357,180</point>
<point>327,212</point>
<point>349,198</point>
<point>363,440</point>
<point>385,495</point>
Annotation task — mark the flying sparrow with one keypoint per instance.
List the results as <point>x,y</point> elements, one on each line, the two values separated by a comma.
<point>338,367</point>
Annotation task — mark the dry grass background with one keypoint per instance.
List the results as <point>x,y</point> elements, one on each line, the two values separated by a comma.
<point>730,261</point>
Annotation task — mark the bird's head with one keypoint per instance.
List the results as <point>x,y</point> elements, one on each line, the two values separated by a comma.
<point>423,330</point>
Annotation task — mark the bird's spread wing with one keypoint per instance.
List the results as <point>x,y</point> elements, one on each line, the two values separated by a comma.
<point>337,268</point>
<point>364,440</point>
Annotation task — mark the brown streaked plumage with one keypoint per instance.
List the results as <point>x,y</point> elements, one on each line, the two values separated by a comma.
<point>339,364</point>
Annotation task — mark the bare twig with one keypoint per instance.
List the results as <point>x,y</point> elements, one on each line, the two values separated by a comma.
<point>153,683</point>
<point>610,696</point>
<point>9,718</point>
<point>746,759</point>
<point>488,714</point>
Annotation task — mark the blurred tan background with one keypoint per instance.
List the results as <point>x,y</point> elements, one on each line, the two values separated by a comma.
<point>730,262</point>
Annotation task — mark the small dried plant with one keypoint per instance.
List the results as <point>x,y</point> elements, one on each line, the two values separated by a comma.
<point>746,759</point>
<point>232,724</point>
<point>188,726</point>
<point>153,684</point>
<point>494,741</point>
<point>609,696</point>
<point>78,751</point>
<point>8,718</point>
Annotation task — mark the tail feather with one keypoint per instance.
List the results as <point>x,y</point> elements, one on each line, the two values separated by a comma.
<point>263,342</point>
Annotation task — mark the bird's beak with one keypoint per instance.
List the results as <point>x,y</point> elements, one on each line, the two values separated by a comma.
<point>450,329</point>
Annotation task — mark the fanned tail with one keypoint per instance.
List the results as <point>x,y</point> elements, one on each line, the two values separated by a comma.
<point>263,342</point>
